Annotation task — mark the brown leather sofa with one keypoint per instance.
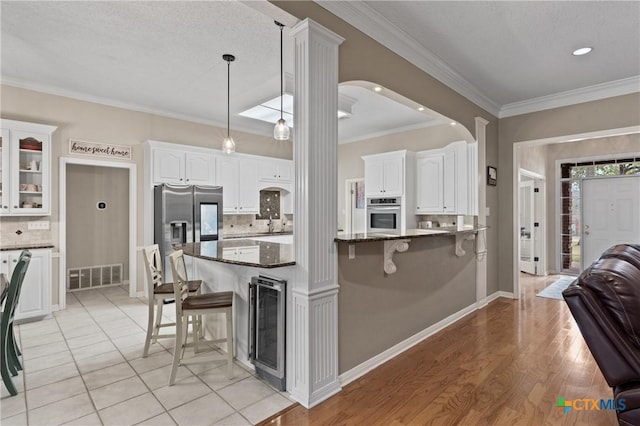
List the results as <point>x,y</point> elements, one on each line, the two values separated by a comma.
<point>605,302</point>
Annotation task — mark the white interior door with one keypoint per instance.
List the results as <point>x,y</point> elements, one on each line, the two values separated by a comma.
<point>355,219</point>
<point>527,233</point>
<point>610,212</point>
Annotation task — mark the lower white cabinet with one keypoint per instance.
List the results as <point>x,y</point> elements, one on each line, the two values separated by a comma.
<point>35,295</point>
<point>249,254</point>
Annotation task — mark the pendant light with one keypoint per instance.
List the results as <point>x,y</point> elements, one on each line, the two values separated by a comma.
<point>281,131</point>
<point>228,145</point>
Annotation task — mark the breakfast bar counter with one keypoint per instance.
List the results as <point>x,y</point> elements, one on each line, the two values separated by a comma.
<point>245,252</point>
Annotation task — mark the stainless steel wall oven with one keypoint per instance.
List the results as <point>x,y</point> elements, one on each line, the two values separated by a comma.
<point>267,297</point>
<point>383,215</point>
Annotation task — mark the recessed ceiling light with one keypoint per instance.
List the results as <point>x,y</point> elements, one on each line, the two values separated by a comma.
<point>453,123</point>
<point>421,109</point>
<point>377,89</point>
<point>582,51</point>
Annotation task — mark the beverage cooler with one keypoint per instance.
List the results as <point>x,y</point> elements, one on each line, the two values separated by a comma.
<point>267,296</point>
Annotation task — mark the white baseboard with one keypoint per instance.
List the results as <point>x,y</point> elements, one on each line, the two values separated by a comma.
<point>362,369</point>
<point>55,308</point>
<point>497,294</point>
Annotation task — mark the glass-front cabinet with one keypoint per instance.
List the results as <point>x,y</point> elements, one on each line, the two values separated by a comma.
<point>26,168</point>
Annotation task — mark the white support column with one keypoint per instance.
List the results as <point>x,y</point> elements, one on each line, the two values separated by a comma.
<point>314,309</point>
<point>481,265</point>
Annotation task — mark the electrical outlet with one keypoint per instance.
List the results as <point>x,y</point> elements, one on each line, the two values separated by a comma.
<point>38,225</point>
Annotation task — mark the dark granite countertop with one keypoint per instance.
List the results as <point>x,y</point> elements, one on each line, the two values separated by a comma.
<point>263,254</point>
<point>26,246</point>
<point>410,233</point>
<point>255,234</point>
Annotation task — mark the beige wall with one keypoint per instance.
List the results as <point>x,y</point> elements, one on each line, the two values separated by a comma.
<point>351,165</point>
<point>622,144</point>
<point>362,58</point>
<point>97,236</point>
<point>610,113</point>
<point>533,158</point>
<point>105,124</point>
<point>378,311</point>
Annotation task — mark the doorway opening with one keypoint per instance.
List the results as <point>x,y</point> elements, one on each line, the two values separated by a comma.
<point>532,223</point>
<point>355,219</point>
<point>555,151</point>
<point>97,225</point>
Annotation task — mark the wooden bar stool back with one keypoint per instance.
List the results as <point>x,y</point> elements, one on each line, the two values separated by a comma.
<point>196,306</point>
<point>9,362</point>
<point>159,294</point>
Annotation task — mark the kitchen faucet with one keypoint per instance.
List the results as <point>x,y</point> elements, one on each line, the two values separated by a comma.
<point>270,225</point>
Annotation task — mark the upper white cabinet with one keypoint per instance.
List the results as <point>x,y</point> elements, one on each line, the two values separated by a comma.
<point>430,179</point>
<point>275,170</point>
<point>25,158</point>
<point>35,294</point>
<point>239,181</point>
<point>384,174</point>
<point>241,176</point>
<point>180,167</point>
<point>442,180</point>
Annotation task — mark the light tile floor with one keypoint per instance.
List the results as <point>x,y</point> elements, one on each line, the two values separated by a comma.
<point>84,367</point>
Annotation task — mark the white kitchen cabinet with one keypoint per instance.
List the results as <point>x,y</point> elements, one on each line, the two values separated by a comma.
<point>239,180</point>
<point>430,183</point>
<point>242,254</point>
<point>180,167</point>
<point>442,180</point>
<point>275,170</point>
<point>384,174</point>
<point>35,295</point>
<point>4,171</point>
<point>25,153</point>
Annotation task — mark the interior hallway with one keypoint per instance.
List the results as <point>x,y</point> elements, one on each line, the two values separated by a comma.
<point>506,364</point>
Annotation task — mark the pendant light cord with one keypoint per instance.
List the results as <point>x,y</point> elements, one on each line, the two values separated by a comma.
<point>281,74</point>
<point>228,93</point>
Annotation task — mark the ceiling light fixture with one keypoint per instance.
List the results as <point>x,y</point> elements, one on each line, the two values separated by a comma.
<point>377,89</point>
<point>453,123</point>
<point>582,51</point>
<point>421,109</point>
<point>281,131</point>
<point>228,145</point>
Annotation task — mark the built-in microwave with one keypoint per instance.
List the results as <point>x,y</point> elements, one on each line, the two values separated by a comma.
<point>383,215</point>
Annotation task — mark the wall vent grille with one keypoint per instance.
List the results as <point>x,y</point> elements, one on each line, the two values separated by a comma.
<point>94,276</point>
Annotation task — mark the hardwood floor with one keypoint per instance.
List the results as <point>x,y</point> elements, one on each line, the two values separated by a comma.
<point>506,364</point>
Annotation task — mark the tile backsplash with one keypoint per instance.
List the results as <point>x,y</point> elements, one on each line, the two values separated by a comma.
<point>236,224</point>
<point>15,231</point>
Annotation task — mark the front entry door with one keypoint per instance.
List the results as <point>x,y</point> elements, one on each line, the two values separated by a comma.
<point>610,212</point>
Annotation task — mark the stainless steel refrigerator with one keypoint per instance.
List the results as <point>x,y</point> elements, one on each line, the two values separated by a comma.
<point>185,214</point>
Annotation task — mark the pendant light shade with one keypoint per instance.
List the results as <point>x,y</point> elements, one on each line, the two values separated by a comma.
<point>228,145</point>
<point>281,131</point>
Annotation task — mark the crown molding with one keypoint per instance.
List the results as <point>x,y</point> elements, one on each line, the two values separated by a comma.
<point>571,97</point>
<point>52,90</point>
<point>370,22</point>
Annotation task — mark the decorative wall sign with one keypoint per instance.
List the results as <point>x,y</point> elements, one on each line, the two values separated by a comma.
<point>492,176</point>
<point>99,149</point>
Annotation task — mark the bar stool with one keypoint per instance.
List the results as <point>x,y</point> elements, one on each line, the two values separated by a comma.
<point>159,294</point>
<point>197,305</point>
